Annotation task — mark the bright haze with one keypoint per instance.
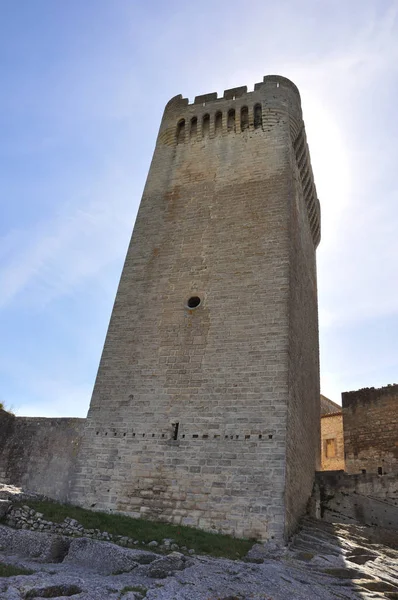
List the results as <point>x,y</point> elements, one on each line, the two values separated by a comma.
<point>84,85</point>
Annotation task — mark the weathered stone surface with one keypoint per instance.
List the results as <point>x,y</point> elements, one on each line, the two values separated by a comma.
<point>366,498</point>
<point>39,453</point>
<point>165,566</point>
<point>103,557</point>
<point>317,565</point>
<point>45,547</point>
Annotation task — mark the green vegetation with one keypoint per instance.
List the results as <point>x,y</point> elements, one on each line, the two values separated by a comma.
<point>10,571</point>
<point>134,588</point>
<point>145,531</point>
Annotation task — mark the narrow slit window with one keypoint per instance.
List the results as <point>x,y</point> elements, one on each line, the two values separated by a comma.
<point>258,116</point>
<point>231,120</point>
<point>244,118</point>
<point>206,125</point>
<point>175,432</point>
<point>181,131</point>
<point>194,128</point>
<point>218,122</point>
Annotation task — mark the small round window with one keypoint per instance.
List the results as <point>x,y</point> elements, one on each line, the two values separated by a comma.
<point>193,302</point>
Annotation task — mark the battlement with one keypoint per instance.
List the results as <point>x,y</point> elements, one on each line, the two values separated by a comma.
<point>367,395</point>
<point>269,82</point>
<point>239,111</point>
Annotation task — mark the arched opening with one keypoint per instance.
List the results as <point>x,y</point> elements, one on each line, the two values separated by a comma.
<point>181,131</point>
<point>231,120</point>
<point>244,118</point>
<point>218,122</point>
<point>194,128</point>
<point>258,116</point>
<point>206,125</point>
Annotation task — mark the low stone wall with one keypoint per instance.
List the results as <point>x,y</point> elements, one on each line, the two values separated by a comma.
<point>365,498</point>
<point>39,454</point>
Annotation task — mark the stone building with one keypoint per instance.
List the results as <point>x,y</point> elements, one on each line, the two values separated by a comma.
<point>332,437</point>
<point>370,419</point>
<point>205,410</point>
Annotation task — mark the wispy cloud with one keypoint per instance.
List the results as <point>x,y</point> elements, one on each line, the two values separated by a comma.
<point>58,254</point>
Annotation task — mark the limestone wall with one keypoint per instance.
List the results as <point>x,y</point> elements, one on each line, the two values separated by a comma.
<point>189,416</point>
<point>303,416</point>
<point>332,442</point>
<point>368,498</point>
<point>370,418</point>
<point>39,454</point>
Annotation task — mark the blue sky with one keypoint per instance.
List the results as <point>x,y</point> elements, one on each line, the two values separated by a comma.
<point>83,90</point>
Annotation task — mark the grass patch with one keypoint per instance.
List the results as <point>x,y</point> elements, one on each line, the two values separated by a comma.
<point>142,530</point>
<point>10,571</point>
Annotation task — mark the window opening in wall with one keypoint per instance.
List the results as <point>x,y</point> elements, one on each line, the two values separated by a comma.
<point>194,127</point>
<point>218,122</point>
<point>330,448</point>
<point>363,471</point>
<point>258,116</point>
<point>181,131</point>
<point>380,470</point>
<point>231,120</point>
<point>244,118</point>
<point>193,302</point>
<point>175,433</point>
<point>206,125</point>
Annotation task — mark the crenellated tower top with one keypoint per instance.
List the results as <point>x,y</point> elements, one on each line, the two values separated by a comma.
<point>240,112</point>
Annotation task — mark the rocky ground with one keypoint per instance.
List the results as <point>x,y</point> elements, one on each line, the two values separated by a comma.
<point>324,561</point>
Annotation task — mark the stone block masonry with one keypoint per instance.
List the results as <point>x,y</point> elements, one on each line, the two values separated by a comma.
<point>205,410</point>
<point>370,419</point>
<point>332,442</point>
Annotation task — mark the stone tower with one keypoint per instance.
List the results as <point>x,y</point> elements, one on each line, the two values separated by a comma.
<point>205,410</point>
